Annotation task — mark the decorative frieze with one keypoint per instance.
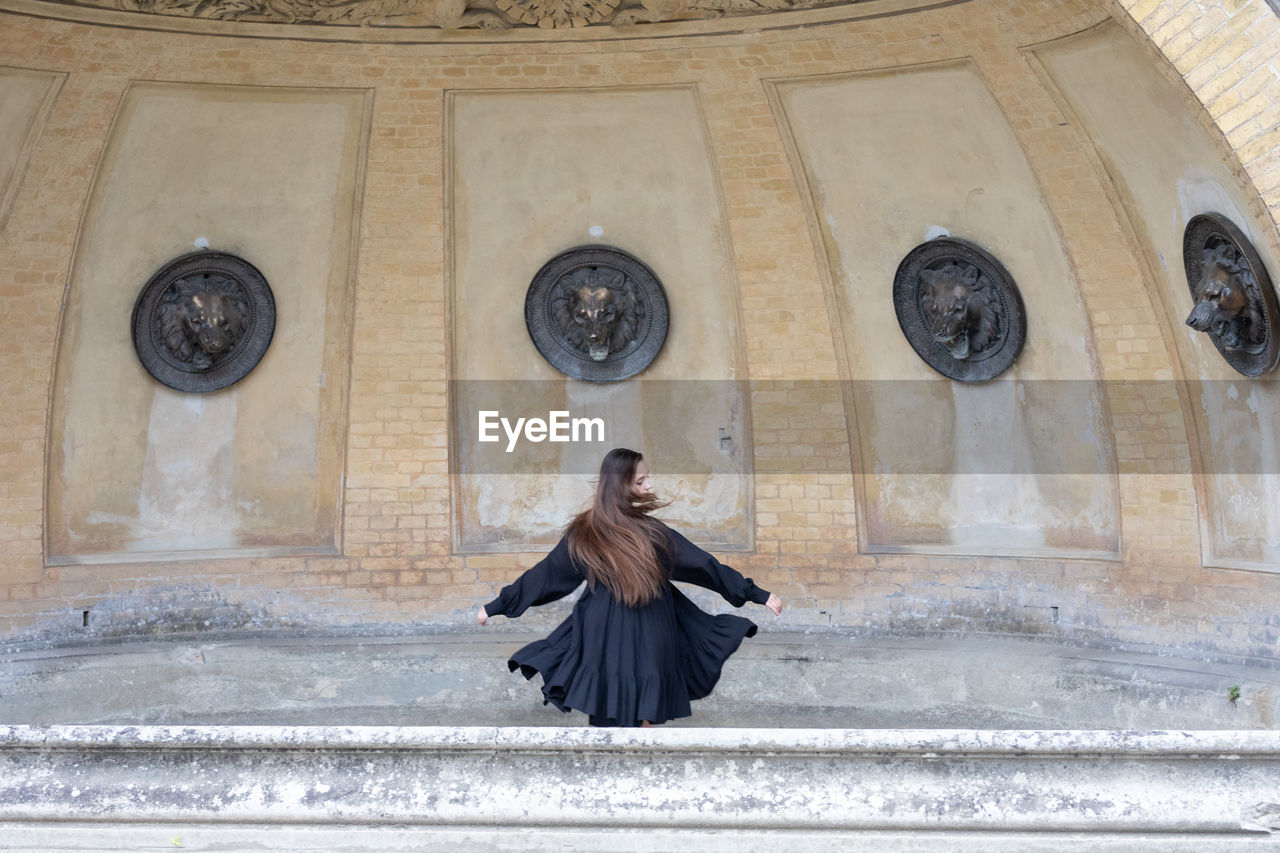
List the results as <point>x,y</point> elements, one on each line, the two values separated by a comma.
<point>460,14</point>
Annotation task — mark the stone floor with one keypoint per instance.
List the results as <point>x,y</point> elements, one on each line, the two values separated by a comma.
<point>777,680</point>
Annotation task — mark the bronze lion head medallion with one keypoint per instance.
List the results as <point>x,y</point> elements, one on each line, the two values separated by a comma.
<point>596,313</point>
<point>1233,301</point>
<point>959,309</point>
<point>203,321</point>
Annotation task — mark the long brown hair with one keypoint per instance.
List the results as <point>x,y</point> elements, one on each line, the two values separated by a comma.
<point>614,539</point>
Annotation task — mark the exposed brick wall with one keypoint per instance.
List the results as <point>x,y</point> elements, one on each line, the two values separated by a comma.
<point>398,568</point>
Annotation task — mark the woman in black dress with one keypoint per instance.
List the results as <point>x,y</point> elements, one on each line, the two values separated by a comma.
<point>634,651</point>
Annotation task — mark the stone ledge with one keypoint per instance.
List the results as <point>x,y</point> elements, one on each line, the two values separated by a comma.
<point>1106,783</point>
<point>926,743</point>
<point>97,838</point>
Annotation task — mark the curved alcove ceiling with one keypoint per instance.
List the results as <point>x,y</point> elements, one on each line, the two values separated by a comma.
<point>434,21</point>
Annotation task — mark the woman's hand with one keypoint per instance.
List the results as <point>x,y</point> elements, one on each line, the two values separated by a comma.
<point>483,618</point>
<point>774,603</point>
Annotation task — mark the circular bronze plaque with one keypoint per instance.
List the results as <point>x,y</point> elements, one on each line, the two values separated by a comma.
<point>596,313</point>
<point>1231,294</point>
<point>960,309</point>
<point>203,321</point>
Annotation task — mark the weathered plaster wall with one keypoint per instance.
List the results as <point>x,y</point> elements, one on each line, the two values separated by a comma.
<point>893,159</point>
<point>1165,168</point>
<point>538,171</point>
<point>399,560</point>
<point>137,468</point>
<point>25,99</point>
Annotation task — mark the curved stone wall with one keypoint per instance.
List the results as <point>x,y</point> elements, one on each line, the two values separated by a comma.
<point>1228,54</point>
<point>810,160</point>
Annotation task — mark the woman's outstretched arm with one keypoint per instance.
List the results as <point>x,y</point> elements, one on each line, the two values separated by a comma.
<point>696,566</point>
<point>554,577</point>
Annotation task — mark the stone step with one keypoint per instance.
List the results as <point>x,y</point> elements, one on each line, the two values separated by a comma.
<point>692,789</point>
<point>216,838</point>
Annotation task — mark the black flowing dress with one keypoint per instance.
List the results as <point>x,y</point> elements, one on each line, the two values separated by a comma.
<point>621,664</point>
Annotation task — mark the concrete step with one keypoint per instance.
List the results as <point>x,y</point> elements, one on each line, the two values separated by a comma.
<point>695,789</point>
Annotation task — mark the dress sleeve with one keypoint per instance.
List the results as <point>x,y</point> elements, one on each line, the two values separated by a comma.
<point>696,566</point>
<point>555,576</point>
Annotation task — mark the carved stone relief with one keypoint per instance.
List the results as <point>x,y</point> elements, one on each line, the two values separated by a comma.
<point>960,309</point>
<point>557,13</point>
<point>203,321</point>
<point>458,14</point>
<point>1234,301</point>
<point>596,313</point>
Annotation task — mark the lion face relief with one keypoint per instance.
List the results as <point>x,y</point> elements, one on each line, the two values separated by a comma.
<point>202,318</point>
<point>959,309</point>
<point>1225,308</point>
<point>596,311</point>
